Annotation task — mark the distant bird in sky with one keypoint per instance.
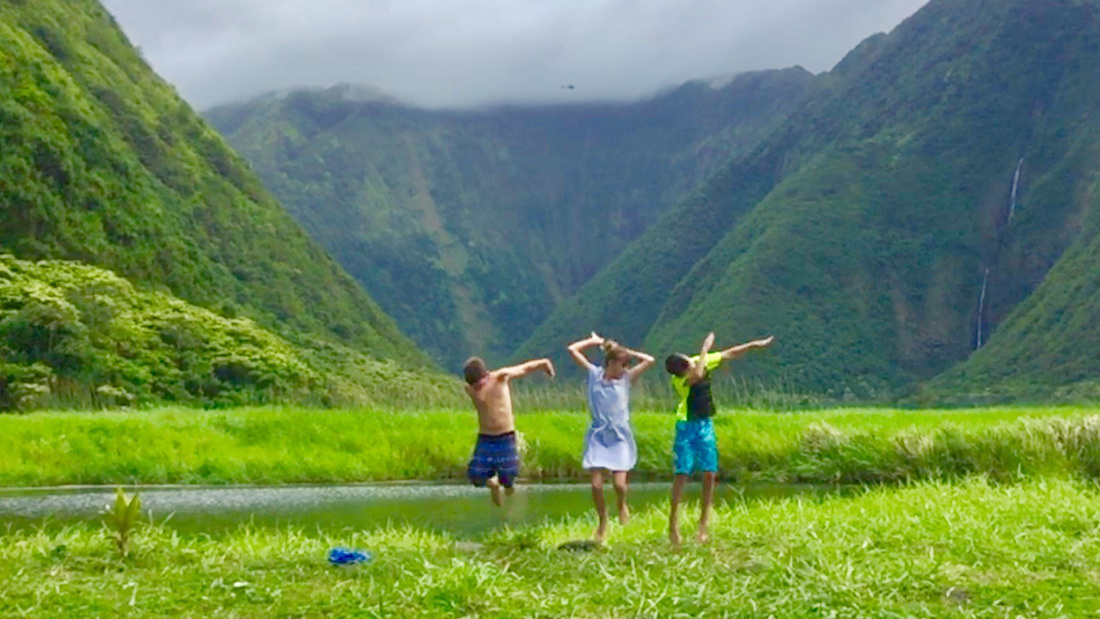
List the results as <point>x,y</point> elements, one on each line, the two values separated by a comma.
<point>570,87</point>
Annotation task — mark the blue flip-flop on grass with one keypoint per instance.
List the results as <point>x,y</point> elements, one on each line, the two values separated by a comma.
<point>346,556</point>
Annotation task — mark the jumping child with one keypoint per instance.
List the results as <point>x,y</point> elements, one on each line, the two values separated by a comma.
<point>495,462</point>
<point>695,448</point>
<point>609,443</point>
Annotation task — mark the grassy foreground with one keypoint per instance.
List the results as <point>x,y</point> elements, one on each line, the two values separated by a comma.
<point>267,446</point>
<point>974,549</point>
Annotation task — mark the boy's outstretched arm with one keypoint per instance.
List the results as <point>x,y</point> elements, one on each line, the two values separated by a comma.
<point>576,349</point>
<point>526,369</point>
<point>736,351</point>
<point>699,370</point>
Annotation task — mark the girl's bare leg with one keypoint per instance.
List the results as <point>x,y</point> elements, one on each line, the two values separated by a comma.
<point>601,505</point>
<point>621,489</point>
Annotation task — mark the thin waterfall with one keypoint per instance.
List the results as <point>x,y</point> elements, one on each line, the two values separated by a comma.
<point>979,341</point>
<point>981,308</point>
<point>1015,189</point>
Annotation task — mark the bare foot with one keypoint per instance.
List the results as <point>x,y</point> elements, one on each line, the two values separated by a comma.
<point>601,532</point>
<point>509,491</point>
<point>494,492</point>
<point>624,514</point>
<point>702,536</point>
<point>674,535</point>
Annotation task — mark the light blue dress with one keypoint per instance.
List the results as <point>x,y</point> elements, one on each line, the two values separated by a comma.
<point>609,443</point>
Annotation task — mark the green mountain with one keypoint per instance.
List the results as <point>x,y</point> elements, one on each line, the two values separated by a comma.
<point>104,164</point>
<point>889,222</point>
<point>470,227</point>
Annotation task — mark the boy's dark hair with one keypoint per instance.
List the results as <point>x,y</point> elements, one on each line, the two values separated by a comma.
<point>677,364</point>
<point>474,369</point>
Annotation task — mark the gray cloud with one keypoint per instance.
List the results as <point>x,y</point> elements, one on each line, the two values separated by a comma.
<point>457,53</point>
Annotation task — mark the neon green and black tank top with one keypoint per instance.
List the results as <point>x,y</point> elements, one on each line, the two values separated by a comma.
<point>696,401</point>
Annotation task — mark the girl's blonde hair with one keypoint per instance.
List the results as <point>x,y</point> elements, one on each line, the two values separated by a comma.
<point>612,351</point>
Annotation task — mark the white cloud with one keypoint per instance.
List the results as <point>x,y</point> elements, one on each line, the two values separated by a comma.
<point>449,53</point>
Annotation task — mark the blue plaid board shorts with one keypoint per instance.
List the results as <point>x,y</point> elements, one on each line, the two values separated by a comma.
<point>494,455</point>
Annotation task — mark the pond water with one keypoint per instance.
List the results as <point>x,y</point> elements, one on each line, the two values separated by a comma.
<point>457,509</point>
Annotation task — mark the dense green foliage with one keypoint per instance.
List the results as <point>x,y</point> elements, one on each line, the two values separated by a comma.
<point>469,227</point>
<point>271,446</point>
<point>103,163</point>
<point>861,231</point>
<point>66,324</point>
<point>972,550</point>
<point>78,335</point>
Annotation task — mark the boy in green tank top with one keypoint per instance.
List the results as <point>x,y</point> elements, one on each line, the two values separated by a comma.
<point>695,448</point>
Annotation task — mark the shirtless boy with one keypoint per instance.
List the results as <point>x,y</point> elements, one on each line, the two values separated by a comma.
<point>496,462</point>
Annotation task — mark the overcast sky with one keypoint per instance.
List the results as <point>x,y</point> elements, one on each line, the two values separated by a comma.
<point>461,53</point>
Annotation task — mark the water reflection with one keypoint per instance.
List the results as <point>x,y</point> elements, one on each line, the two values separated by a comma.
<point>456,509</point>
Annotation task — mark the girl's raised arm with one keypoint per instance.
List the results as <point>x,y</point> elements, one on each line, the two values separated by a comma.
<point>576,350</point>
<point>644,363</point>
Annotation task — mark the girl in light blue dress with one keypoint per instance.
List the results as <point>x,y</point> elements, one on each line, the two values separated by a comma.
<point>609,443</point>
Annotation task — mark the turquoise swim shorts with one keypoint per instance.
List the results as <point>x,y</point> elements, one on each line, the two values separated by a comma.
<point>695,448</point>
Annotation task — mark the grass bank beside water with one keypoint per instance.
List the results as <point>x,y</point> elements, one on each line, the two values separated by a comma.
<point>972,549</point>
<point>270,446</point>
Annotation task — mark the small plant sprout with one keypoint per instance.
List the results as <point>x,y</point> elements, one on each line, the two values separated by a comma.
<point>120,518</point>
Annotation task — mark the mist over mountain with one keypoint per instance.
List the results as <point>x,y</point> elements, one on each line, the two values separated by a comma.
<point>447,54</point>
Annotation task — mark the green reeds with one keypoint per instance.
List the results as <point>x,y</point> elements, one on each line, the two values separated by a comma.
<point>285,445</point>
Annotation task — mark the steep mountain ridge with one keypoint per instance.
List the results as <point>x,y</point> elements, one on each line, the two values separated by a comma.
<point>1045,346</point>
<point>514,208</point>
<point>886,198</point>
<point>104,164</point>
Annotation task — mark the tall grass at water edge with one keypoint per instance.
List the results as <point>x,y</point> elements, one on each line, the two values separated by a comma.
<point>972,549</point>
<point>270,446</point>
<point>654,393</point>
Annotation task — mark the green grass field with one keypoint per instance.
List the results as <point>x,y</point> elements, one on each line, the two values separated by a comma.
<point>271,446</point>
<point>969,549</point>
